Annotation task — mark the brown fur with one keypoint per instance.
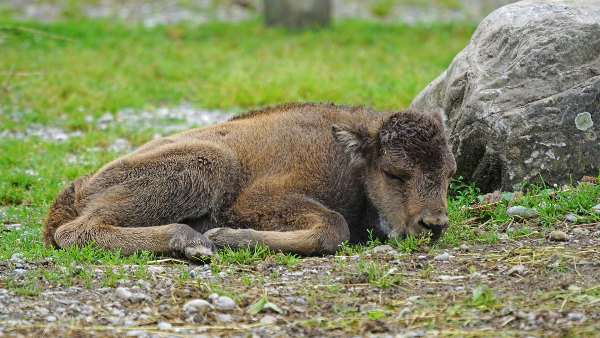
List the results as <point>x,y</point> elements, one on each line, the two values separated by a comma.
<point>300,178</point>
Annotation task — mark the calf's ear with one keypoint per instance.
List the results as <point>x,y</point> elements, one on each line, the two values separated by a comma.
<point>356,140</point>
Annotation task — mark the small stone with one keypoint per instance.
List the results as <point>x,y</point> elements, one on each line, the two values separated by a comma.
<point>268,319</point>
<point>13,227</point>
<point>224,303</point>
<point>107,117</point>
<point>43,311</point>
<point>169,282</point>
<point>519,269</point>
<point>571,217</point>
<point>596,208</point>
<point>156,270</point>
<point>120,145</point>
<point>17,272</point>
<point>382,249</point>
<point>558,236</point>
<point>367,307</point>
<point>300,301</point>
<point>222,274</point>
<point>17,257</point>
<point>522,211</point>
<point>51,319</point>
<point>442,257</point>
<point>123,293</point>
<point>223,317</point>
<point>213,296</point>
<point>164,326</point>
<point>197,305</point>
<point>577,316</point>
<point>464,247</point>
<point>413,334</point>
<point>139,297</point>
<point>290,299</point>
<point>405,311</point>
<point>580,231</point>
<point>136,333</point>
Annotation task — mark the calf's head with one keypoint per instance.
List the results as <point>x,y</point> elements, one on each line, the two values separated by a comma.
<point>407,165</point>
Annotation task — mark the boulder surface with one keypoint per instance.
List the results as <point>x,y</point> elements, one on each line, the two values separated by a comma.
<point>523,97</point>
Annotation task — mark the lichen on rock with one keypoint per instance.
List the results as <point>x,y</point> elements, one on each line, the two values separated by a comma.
<point>584,121</point>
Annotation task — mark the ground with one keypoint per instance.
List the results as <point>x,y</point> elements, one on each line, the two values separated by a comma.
<point>519,286</point>
<point>77,93</point>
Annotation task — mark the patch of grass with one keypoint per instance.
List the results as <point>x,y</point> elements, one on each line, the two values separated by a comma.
<point>287,259</point>
<point>378,275</point>
<point>408,243</point>
<point>243,256</point>
<point>353,62</point>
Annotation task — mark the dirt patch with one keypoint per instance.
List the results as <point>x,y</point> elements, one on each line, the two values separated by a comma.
<point>524,286</point>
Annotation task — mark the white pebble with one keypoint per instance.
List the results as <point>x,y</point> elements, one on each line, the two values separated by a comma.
<point>442,257</point>
<point>164,326</point>
<point>197,305</point>
<point>123,293</point>
<point>224,303</point>
<point>268,319</point>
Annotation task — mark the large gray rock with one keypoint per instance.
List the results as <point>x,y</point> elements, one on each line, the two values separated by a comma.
<point>523,98</point>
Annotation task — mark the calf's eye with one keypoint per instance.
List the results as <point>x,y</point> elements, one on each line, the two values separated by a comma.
<point>394,177</point>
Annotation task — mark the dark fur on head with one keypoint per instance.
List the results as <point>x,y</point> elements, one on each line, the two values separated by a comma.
<point>413,138</point>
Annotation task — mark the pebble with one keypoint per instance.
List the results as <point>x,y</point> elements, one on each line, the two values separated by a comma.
<point>120,145</point>
<point>123,293</point>
<point>464,247</point>
<point>405,311</point>
<point>268,319</point>
<point>164,326</point>
<point>442,257</point>
<point>224,303</point>
<point>13,227</point>
<point>223,317</point>
<point>518,269</point>
<point>197,305</point>
<point>571,217</point>
<point>51,319</point>
<point>382,249</point>
<point>412,334</point>
<point>156,270</point>
<point>558,236</point>
<point>17,272</point>
<point>17,257</point>
<point>580,231</point>
<point>576,316</point>
<point>596,208</point>
<point>521,211</point>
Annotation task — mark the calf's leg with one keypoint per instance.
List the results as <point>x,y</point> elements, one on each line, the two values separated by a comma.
<point>147,201</point>
<point>290,223</point>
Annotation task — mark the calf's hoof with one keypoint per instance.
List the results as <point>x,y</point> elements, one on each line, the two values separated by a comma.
<point>200,249</point>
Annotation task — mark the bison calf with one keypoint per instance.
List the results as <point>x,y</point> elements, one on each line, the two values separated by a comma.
<point>300,178</point>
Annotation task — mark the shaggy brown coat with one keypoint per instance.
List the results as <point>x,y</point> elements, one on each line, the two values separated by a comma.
<point>300,178</point>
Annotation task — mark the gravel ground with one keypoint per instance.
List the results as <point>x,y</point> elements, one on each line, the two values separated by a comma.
<point>541,286</point>
<point>156,12</point>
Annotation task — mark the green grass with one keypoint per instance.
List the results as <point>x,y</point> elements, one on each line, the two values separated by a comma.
<point>90,67</point>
